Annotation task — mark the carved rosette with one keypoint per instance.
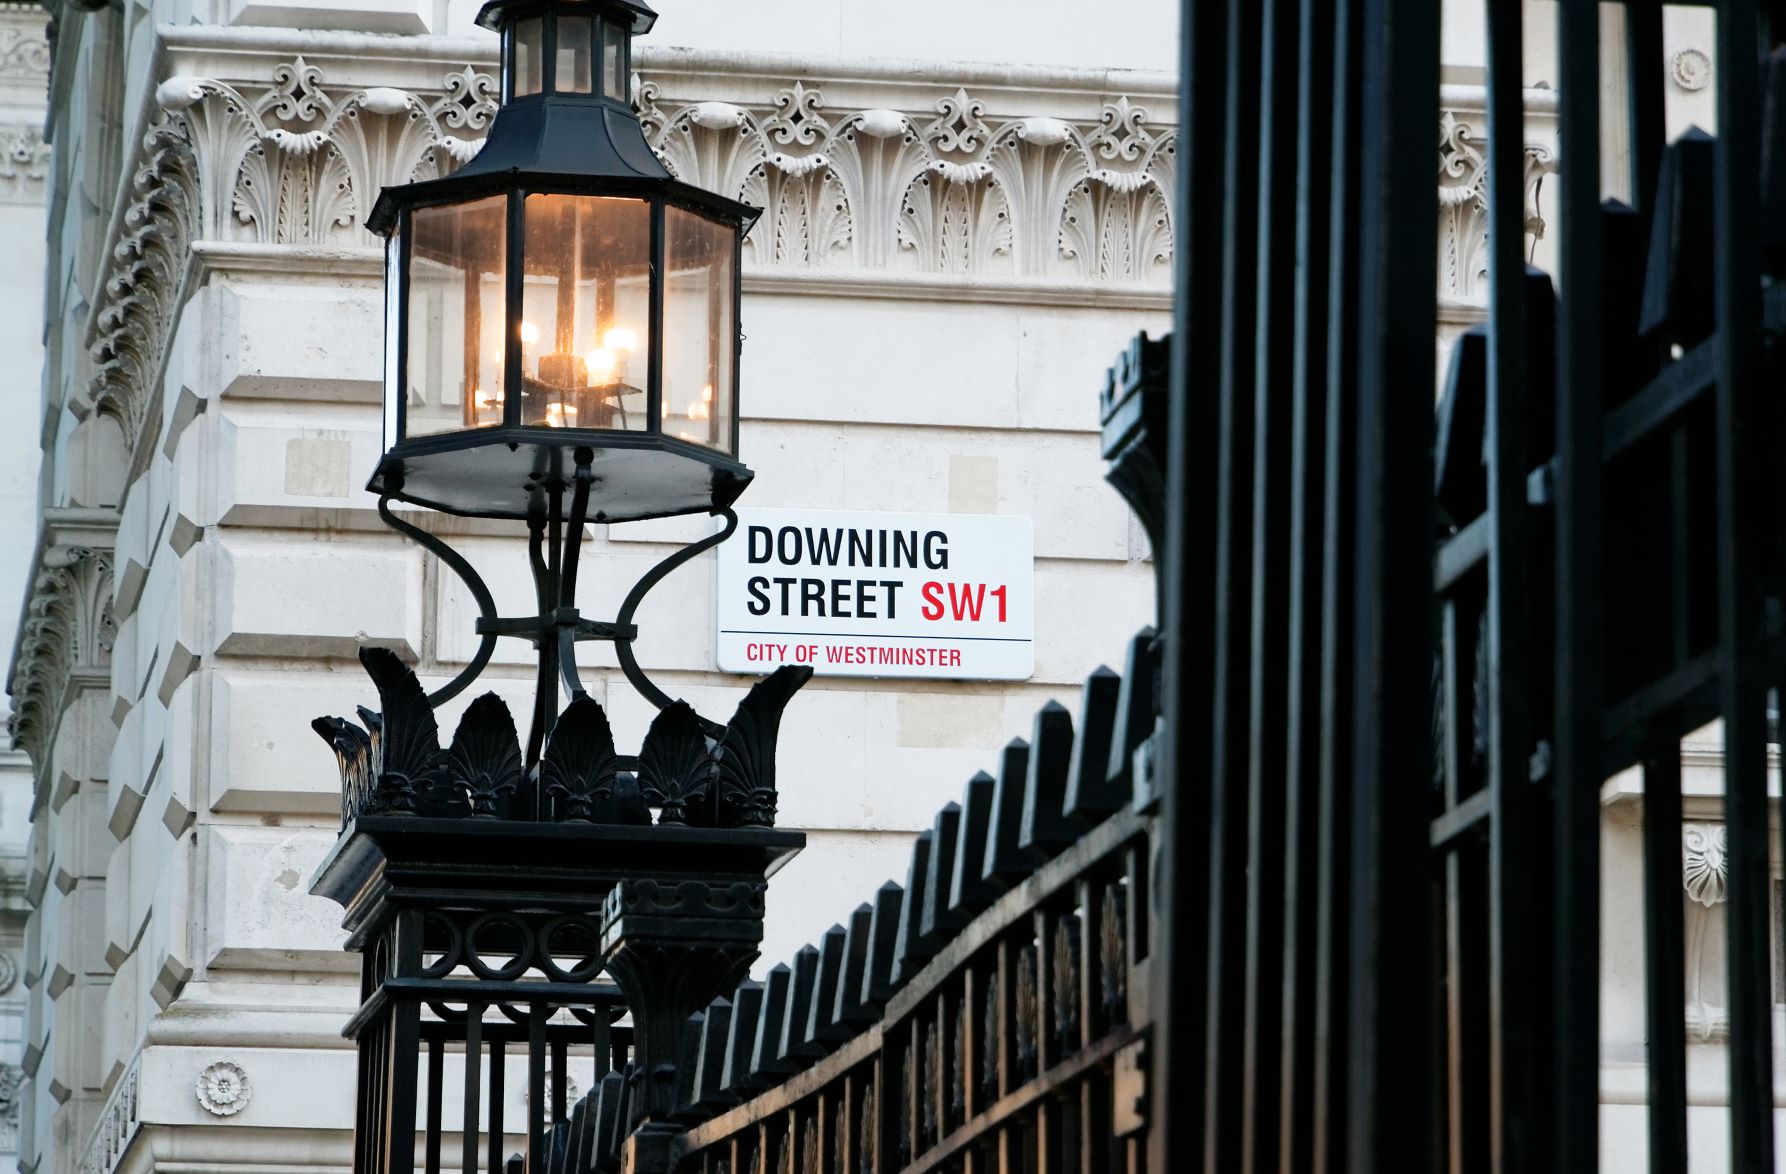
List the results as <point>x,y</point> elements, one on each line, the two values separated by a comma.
<point>223,1089</point>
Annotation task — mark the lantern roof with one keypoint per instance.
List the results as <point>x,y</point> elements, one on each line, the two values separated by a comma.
<point>640,16</point>
<point>565,140</point>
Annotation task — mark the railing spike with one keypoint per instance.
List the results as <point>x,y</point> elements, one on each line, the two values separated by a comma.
<point>909,951</point>
<point>850,1010</point>
<point>747,1007</point>
<point>883,937</point>
<point>822,1029</point>
<point>969,891</point>
<point>766,1066</point>
<point>1090,797</point>
<point>938,921</point>
<point>1006,863</point>
<point>793,1050</point>
<point>688,1064</point>
<point>1045,828</point>
<point>1137,707</point>
<point>710,1093</point>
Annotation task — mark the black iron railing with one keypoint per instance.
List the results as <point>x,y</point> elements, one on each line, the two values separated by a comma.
<point>989,1015</point>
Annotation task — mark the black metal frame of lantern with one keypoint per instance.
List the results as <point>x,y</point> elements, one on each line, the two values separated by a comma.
<point>571,213</point>
<point>506,899</point>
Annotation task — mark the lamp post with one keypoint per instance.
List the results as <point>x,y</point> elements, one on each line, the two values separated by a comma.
<point>562,347</point>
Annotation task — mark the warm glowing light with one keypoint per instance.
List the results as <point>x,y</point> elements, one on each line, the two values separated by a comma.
<point>699,411</point>
<point>603,362</point>
<point>620,339</point>
<point>560,415</point>
<point>485,401</point>
<point>707,393</point>
<point>530,333</point>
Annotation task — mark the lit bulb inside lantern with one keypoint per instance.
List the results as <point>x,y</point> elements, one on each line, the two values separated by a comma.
<point>560,415</point>
<point>603,362</point>
<point>485,401</point>
<point>698,411</point>
<point>707,393</point>
<point>620,339</point>
<point>530,333</point>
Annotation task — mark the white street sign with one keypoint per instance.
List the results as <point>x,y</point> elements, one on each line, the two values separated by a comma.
<point>862,594</point>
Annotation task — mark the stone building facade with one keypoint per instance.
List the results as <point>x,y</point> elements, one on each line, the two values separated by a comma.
<point>967,213</point>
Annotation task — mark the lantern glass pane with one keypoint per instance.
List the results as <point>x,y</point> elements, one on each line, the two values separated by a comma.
<point>585,322</point>
<point>700,335</point>
<point>530,56</point>
<point>457,278</point>
<point>614,80</point>
<point>576,55</point>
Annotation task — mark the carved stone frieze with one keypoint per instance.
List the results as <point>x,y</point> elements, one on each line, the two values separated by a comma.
<point>1463,203</point>
<point>66,637</point>
<point>948,189</point>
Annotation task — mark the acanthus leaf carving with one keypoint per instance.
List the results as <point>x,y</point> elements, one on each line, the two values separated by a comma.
<point>1705,862</point>
<point>67,636</point>
<point>1463,205</point>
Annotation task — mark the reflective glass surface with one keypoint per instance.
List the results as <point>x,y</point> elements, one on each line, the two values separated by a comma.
<point>700,334</point>
<point>457,279</point>
<point>585,322</point>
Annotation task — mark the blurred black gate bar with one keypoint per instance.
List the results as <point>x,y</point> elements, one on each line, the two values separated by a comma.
<point>1403,649</point>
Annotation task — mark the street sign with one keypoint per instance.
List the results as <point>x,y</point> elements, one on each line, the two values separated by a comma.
<point>861,594</point>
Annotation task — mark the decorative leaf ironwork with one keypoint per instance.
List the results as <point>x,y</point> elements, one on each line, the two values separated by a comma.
<point>744,760</point>
<point>406,746</point>
<point>1113,967</point>
<point>674,768</point>
<point>1024,1010</point>
<point>353,754</point>
<point>485,758</point>
<point>1065,1019</point>
<point>578,769</point>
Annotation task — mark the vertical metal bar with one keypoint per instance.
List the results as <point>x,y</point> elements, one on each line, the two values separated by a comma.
<point>404,1047</point>
<point>1391,776</point>
<point>560,1082</point>
<point>1224,1083</point>
<point>1451,979</point>
<point>1514,1071</point>
<point>498,1071</point>
<point>474,1063</point>
<point>1743,534</point>
<point>1579,685</point>
<point>436,1078</point>
<point>514,295</point>
<point>1302,714</point>
<point>536,1088</point>
<point>1188,625</point>
<point>1273,488</point>
<point>1664,938</point>
<point>1332,1025</point>
<point>654,336</point>
<point>1643,77</point>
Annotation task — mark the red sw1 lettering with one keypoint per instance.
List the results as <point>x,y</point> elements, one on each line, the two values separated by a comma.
<point>965,601</point>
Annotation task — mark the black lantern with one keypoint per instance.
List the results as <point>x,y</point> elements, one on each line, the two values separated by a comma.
<point>561,299</point>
